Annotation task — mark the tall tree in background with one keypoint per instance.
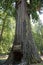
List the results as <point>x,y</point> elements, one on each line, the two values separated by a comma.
<point>24,49</point>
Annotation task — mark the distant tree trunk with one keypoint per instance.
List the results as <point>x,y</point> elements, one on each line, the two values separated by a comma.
<point>24,49</point>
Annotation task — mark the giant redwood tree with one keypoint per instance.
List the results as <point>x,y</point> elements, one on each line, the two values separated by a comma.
<point>23,50</point>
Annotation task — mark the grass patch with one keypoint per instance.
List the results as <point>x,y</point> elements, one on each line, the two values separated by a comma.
<point>41,64</point>
<point>38,63</point>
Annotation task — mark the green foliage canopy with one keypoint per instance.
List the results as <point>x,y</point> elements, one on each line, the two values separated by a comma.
<point>32,7</point>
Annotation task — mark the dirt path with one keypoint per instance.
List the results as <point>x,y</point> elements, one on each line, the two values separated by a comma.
<point>42,57</point>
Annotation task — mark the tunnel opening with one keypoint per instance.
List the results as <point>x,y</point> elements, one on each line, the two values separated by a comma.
<point>18,55</point>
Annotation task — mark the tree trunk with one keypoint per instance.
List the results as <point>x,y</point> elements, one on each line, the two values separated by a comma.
<point>24,50</point>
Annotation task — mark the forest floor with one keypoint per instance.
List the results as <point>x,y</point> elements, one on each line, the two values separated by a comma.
<point>3,58</point>
<point>39,63</point>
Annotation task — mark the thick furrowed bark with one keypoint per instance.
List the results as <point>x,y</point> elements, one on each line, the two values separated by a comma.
<point>32,52</point>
